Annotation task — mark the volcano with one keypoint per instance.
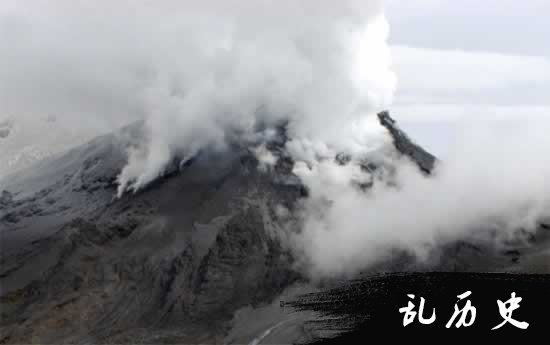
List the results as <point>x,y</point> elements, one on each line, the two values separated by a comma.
<point>195,257</point>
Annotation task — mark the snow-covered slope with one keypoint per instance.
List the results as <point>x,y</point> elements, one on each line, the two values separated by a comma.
<point>25,140</point>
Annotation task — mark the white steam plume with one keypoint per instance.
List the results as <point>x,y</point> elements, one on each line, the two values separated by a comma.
<point>495,182</point>
<point>196,70</point>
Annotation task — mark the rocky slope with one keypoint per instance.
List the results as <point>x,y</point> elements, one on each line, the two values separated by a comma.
<point>170,264</point>
<point>78,266</point>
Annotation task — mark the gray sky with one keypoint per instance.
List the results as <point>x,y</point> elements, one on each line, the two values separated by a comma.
<point>505,26</point>
<point>461,60</point>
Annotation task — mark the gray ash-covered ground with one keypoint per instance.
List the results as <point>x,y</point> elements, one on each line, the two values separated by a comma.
<point>193,258</point>
<point>80,266</point>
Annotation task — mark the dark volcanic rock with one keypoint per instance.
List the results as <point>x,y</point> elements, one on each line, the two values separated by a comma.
<point>406,146</point>
<point>79,266</point>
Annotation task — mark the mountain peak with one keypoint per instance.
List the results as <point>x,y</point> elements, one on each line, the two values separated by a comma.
<point>423,159</point>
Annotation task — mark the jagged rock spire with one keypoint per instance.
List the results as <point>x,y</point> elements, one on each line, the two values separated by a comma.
<point>406,146</point>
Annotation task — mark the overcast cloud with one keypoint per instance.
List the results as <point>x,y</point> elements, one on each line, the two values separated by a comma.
<point>458,62</point>
<point>518,27</point>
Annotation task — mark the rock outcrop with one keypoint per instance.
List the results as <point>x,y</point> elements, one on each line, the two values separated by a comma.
<point>423,159</point>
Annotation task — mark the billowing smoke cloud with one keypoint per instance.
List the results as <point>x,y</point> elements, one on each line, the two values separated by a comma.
<point>197,71</point>
<point>493,188</point>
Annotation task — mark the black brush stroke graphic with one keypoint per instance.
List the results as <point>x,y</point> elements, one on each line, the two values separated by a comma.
<point>360,311</point>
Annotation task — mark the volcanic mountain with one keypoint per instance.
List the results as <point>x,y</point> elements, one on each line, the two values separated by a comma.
<point>195,257</point>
